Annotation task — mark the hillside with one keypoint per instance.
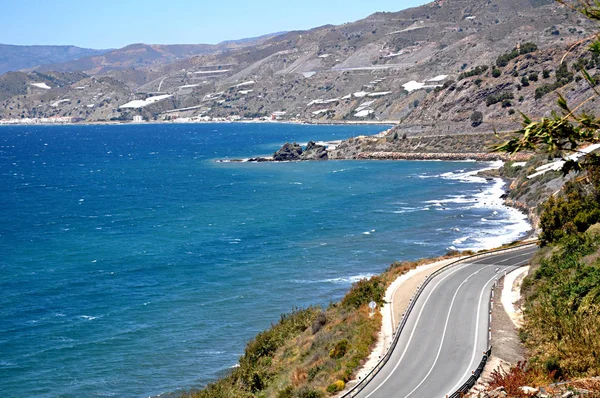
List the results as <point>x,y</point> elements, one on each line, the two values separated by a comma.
<point>141,55</point>
<point>15,58</point>
<point>403,66</point>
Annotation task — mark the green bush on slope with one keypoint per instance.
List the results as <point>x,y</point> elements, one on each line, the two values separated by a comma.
<point>562,322</point>
<point>307,351</point>
<point>365,291</point>
<point>569,213</point>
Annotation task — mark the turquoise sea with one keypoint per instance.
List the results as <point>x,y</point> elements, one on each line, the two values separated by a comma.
<point>133,264</point>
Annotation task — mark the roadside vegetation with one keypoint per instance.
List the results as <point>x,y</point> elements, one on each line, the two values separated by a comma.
<point>308,353</point>
<point>312,352</point>
<point>562,293</point>
<point>562,326</point>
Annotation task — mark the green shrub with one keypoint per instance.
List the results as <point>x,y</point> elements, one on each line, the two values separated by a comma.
<point>313,372</point>
<point>287,392</point>
<point>365,291</point>
<point>563,75</point>
<point>525,48</point>
<point>448,84</point>
<point>476,118</point>
<point>575,211</point>
<point>562,323</point>
<point>339,350</point>
<point>496,72</point>
<point>478,70</point>
<point>306,392</point>
<point>338,386</point>
<point>543,90</point>
<point>500,97</point>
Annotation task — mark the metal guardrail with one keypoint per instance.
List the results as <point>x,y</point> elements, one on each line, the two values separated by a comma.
<point>462,390</point>
<point>365,381</point>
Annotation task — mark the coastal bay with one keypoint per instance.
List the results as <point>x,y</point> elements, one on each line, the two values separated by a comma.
<point>121,238</point>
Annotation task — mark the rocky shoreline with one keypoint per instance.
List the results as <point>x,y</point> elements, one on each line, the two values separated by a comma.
<point>293,152</point>
<point>477,156</point>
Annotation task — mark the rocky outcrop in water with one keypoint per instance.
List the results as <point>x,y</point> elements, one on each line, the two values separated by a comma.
<point>288,152</point>
<point>314,151</point>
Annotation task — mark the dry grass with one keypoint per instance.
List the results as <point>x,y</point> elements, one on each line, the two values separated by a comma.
<point>311,353</point>
<point>512,380</point>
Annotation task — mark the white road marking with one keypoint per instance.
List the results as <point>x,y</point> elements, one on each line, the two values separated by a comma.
<point>421,313</point>
<point>446,328</point>
<point>414,328</point>
<point>469,369</point>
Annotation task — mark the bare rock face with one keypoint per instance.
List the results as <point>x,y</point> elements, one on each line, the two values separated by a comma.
<point>314,152</point>
<point>288,152</point>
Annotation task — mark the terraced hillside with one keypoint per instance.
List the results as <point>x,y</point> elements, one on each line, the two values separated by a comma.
<point>433,68</point>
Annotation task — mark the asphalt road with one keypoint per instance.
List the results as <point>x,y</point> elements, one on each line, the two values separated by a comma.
<point>446,332</point>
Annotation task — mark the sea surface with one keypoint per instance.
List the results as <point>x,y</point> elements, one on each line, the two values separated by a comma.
<point>133,264</point>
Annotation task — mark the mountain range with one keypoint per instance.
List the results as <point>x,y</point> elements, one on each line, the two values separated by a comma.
<point>14,58</point>
<point>435,67</point>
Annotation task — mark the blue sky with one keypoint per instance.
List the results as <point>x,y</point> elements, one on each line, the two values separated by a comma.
<point>116,23</point>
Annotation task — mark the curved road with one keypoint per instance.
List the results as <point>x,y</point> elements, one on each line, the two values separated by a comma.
<point>446,332</point>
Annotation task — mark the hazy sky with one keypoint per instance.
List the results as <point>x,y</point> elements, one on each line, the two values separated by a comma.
<point>116,23</point>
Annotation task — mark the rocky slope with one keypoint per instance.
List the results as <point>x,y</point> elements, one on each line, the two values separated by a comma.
<point>385,67</point>
<point>140,56</point>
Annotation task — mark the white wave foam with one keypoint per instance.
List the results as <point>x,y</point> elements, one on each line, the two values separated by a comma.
<point>348,280</point>
<point>515,227</point>
<point>88,317</point>
<point>510,224</point>
<point>338,281</point>
<point>460,240</point>
<point>406,210</point>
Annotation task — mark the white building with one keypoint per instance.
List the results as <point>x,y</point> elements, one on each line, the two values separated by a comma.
<point>138,119</point>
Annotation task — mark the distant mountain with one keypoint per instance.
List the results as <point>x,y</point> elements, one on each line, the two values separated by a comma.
<point>141,55</point>
<point>252,40</point>
<point>14,58</point>
<point>132,56</point>
<point>435,68</point>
